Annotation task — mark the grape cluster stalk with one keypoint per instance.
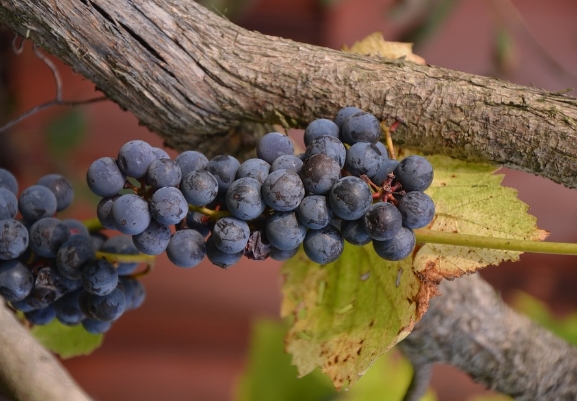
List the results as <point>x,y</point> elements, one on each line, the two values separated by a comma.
<point>343,187</point>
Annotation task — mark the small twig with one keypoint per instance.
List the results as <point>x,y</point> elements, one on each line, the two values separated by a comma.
<point>57,101</point>
<point>419,382</point>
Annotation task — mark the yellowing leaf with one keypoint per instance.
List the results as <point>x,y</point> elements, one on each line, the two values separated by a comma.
<point>376,44</point>
<point>347,313</point>
<point>470,200</point>
<point>66,341</point>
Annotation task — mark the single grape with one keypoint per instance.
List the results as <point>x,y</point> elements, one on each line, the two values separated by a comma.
<point>230,234</point>
<point>219,258</point>
<point>254,168</point>
<point>353,231</point>
<point>324,245</point>
<point>99,277</point>
<point>163,173</point>
<point>361,127</point>
<point>319,173</point>
<point>37,202</point>
<point>130,214</point>
<point>14,239</point>
<point>153,240</point>
<point>8,181</point>
<point>134,158</point>
<point>350,198</point>
<point>95,326</point>
<point>47,235</point>
<point>320,127</point>
<point>73,255</point>
<point>42,316</point>
<point>287,162</point>
<point>273,145</point>
<point>330,146</point>
<point>199,187</point>
<point>105,308</point>
<point>8,204</point>
<point>345,113</point>
<point>168,206</point>
<point>67,308</point>
<point>123,245</point>
<point>191,160</point>
<point>382,221</point>
<point>285,231</point>
<point>224,168</point>
<point>60,187</point>
<point>363,158</point>
<point>415,173</point>
<point>186,248</point>
<point>244,199</point>
<point>16,280</point>
<point>282,255</point>
<point>283,190</point>
<point>104,177</point>
<point>104,212</point>
<point>417,209</point>
<point>397,248</point>
<point>314,212</point>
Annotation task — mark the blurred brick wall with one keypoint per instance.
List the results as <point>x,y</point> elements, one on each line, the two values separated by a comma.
<point>189,340</point>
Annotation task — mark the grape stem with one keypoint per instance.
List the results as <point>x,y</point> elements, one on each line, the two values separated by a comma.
<point>506,244</point>
<point>214,215</point>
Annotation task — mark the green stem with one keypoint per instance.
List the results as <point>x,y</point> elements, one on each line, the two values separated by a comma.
<point>212,214</point>
<point>120,258</point>
<point>505,244</point>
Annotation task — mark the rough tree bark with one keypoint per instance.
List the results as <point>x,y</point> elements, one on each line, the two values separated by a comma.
<point>191,76</point>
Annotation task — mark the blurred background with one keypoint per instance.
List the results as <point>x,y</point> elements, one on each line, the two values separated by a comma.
<point>190,339</point>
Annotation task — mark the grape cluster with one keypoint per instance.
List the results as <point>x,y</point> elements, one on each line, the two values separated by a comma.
<point>49,267</point>
<point>343,187</point>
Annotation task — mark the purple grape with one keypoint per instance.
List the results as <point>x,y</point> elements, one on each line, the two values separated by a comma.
<point>168,206</point>
<point>104,177</point>
<point>60,187</point>
<point>135,157</point>
<point>14,239</point>
<point>199,187</point>
<point>273,145</point>
<point>224,169</point>
<point>16,280</point>
<point>320,127</point>
<point>254,168</point>
<point>186,248</point>
<point>37,202</point>
<point>382,221</point>
<point>319,173</point>
<point>163,173</point>
<point>397,248</point>
<point>130,214</point>
<point>283,190</point>
<point>361,127</point>
<point>350,198</point>
<point>47,235</point>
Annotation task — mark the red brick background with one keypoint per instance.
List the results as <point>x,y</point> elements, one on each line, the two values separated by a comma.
<point>189,340</point>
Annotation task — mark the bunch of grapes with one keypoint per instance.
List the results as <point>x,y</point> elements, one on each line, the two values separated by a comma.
<point>49,267</point>
<point>344,187</point>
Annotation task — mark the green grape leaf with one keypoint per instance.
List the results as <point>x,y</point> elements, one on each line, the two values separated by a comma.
<point>348,313</point>
<point>469,199</point>
<point>66,341</point>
